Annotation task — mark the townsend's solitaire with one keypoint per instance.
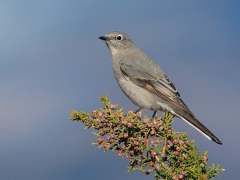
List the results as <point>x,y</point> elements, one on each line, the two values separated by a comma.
<point>144,82</point>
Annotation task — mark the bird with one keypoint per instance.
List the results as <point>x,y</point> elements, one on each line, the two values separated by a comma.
<point>144,82</point>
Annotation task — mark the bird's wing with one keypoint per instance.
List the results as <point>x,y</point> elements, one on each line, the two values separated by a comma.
<point>159,85</point>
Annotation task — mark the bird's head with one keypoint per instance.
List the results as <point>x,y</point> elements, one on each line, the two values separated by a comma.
<point>117,40</point>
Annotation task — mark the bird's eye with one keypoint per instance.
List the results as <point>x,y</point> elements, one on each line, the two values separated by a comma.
<point>119,37</point>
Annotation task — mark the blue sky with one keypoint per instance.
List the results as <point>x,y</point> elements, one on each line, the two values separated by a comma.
<point>51,61</point>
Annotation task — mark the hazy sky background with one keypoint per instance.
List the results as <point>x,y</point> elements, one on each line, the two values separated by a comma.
<point>51,61</point>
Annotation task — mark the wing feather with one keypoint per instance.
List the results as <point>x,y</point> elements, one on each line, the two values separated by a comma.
<point>159,86</point>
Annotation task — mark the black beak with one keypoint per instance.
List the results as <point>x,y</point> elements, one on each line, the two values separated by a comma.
<point>104,38</point>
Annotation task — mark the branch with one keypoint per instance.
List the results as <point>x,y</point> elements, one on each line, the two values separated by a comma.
<point>150,145</point>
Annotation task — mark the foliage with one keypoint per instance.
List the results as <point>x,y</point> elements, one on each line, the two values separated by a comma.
<point>150,145</point>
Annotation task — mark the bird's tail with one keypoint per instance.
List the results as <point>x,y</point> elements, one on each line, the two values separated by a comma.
<point>200,127</point>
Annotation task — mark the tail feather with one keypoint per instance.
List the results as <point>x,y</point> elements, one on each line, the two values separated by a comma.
<point>200,127</point>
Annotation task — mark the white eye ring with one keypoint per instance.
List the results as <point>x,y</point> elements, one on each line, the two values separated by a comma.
<point>119,37</point>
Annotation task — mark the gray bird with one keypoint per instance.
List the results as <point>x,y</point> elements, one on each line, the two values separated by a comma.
<point>144,82</point>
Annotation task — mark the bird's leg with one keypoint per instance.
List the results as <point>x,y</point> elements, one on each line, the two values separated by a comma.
<point>154,114</point>
<point>135,112</point>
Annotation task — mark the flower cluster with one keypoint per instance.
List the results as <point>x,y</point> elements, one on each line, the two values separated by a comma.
<point>149,144</point>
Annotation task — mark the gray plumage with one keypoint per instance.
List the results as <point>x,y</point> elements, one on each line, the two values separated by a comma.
<point>144,82</point>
